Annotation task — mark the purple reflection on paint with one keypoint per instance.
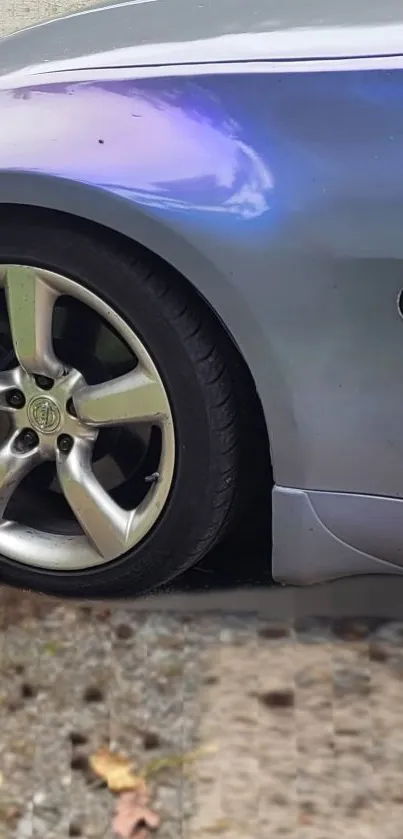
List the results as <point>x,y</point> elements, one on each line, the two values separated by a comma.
<point>138,143</point>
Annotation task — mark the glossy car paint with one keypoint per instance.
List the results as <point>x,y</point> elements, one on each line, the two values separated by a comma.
<point>265,163</point>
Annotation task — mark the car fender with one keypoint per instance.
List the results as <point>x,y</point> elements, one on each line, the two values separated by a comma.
<point>277,197</point>
<point>105,209</point>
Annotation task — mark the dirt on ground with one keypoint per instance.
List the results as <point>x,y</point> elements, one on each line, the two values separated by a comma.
<point>294,730</point>
<point>17,14</point>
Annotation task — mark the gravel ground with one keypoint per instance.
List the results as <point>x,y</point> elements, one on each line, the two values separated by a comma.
<point>16,14</point>
<point>305,721</point>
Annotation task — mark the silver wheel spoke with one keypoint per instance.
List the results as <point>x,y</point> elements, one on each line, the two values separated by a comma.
<point>135,397</point>
<point>30,302</point>
<point>13,468</point>
<point>105,523</point>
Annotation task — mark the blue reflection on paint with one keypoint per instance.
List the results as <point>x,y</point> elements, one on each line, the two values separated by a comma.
<point>231,155</point>
<point>167,146</point>
<point>215,171</point>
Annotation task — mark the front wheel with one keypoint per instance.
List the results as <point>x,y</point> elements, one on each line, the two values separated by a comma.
<point>120,456</point>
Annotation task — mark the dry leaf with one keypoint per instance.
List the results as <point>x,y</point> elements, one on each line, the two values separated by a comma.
<point>116,770</point>
<point>304,817</point>
<point>220,826</point>
<point>51,648</point>
<point>133,818</point>
<point>176,761</point>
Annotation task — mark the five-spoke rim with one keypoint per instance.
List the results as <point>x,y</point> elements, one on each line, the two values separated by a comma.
<point>56,416</point>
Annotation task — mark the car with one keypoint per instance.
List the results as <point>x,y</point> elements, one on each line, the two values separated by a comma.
<point>201,266</point>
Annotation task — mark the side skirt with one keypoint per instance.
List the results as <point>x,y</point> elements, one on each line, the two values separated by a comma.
<point>320,536</point>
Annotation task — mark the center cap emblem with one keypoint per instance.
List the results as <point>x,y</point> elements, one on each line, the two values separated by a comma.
<point>44,414</point>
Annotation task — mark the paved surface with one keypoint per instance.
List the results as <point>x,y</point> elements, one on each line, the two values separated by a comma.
<point>372,597</point>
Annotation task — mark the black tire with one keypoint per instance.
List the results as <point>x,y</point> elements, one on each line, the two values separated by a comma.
<point>202,374</point>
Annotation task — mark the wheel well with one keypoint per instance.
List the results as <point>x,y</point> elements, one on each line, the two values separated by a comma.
<point>256,423</point>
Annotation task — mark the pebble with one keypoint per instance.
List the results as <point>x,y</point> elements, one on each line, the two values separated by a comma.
<point>277,698</point>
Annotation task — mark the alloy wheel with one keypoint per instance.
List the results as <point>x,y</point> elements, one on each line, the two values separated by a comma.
<point>54,416</point>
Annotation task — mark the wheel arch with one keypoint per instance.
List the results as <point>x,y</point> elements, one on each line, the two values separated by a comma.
<point>22,191</point>
<point>79,204</point>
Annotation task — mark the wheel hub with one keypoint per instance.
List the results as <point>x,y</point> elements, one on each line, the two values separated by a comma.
<point>51,416</point>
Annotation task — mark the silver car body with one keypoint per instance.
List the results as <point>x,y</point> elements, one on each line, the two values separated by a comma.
<point>258,148</point>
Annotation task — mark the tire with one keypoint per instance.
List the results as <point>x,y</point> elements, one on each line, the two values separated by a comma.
<point>205,381</point>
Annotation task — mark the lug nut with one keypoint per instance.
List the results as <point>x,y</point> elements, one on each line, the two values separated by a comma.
<point>65,443</point>
<point>15,398</point>
<point>44,382</point>
<point>27,440</point>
